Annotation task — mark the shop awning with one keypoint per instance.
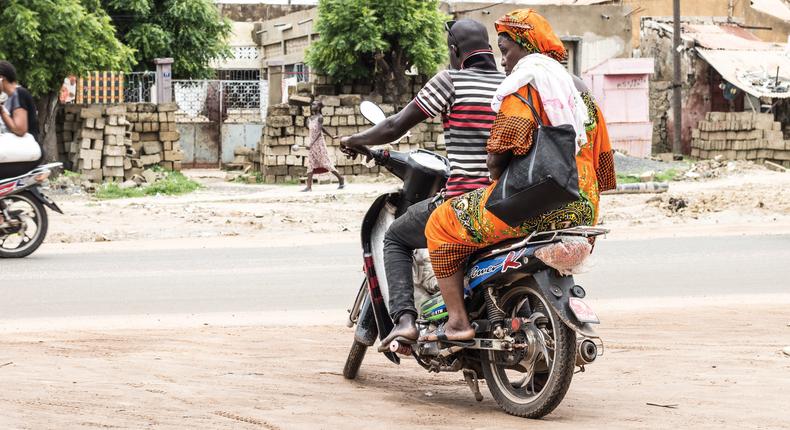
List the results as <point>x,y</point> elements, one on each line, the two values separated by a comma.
<point>753,71</point>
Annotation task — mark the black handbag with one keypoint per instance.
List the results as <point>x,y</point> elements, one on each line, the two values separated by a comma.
<point>544,179</point>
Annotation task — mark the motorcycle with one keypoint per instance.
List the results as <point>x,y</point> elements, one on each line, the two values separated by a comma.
<point>24,217</point>
<point>532,327</point>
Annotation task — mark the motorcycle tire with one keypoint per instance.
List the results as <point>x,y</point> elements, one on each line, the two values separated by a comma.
<point>41,233</point>
<point>354,360</point>
<point>555,386</point>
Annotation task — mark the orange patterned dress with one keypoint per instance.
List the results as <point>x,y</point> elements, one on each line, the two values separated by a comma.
<point>462,225</point>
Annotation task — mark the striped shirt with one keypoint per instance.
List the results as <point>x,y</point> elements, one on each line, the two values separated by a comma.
<point>463,97</point>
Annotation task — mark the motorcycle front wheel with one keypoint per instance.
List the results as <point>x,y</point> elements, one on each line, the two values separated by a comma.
<point>26,228</point>
<point>530,383</point>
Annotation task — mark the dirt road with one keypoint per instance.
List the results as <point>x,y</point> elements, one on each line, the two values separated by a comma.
<point>749,202</point>
<point>729,374</point>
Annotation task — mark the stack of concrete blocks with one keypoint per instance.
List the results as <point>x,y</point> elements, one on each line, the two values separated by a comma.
<point>741,136</point>
<point>287,125</point>
<point>67,123</point>
<point>117,142</point>
<point>154,136</point>
<point>97,147</point>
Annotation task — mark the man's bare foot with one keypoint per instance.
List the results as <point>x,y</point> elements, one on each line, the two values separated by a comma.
<point>405,329</point>
<point>447,332</point>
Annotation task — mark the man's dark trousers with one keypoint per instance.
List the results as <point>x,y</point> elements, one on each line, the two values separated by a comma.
<point>405,235</point>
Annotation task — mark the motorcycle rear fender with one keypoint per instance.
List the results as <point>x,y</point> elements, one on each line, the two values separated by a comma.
<point>383,321</point>
<point>557,291</point>
<point>44,199</point>
<point>367,330</point>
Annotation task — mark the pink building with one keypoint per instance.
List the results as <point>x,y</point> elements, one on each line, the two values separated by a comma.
<point>621,89</point>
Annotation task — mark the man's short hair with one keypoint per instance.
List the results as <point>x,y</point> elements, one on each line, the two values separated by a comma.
<point>8,71</point>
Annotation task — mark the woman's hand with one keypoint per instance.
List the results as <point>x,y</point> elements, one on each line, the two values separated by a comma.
<point>497,163</point>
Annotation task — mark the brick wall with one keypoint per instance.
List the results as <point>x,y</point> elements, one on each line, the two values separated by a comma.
<point>286,126</point>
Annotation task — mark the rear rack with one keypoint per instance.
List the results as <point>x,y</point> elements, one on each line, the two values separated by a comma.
<point>539,237</point>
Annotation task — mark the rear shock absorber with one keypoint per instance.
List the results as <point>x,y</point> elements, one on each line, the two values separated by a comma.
<point>495,315</point>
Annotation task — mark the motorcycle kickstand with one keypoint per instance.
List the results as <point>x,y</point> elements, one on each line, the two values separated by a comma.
<point>471,379</point>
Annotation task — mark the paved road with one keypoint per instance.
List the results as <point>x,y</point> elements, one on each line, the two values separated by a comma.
<point>53,283</point>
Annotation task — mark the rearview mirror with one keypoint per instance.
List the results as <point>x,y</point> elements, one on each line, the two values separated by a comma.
<point>373,113</point>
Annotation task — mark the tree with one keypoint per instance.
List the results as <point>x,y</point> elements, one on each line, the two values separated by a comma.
<point>192,32</point>
<point>48,40</point>
<point>378,39</point>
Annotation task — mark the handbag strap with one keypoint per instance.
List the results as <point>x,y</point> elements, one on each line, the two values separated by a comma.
<point>531,107</point>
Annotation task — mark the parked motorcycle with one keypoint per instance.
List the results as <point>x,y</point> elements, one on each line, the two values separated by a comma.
<point>532,327</point>
<point>24,217</point>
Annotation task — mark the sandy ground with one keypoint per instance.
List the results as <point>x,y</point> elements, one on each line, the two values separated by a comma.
<point>754,201</point>
<point>718,361</point>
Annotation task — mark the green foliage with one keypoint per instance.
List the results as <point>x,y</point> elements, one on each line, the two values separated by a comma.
<point>244,179</point>
<point>354,34</point>
<point>663,176</point>
<point>192,32</point>
<point>48,40</point>
<point>175,183</point>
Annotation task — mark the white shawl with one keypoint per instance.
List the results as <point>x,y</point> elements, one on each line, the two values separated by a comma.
<point>561,100</point>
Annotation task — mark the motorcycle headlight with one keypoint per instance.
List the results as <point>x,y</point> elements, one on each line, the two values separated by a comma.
<point>567,256</point>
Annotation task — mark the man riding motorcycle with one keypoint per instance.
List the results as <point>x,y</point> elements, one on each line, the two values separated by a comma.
<point>463,96</point>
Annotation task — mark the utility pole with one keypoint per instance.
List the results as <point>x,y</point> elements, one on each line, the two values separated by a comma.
<point>676,84</point>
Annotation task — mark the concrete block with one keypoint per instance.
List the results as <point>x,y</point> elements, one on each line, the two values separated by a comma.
<point>173,156</point>
<point>92,134</point>
<point>150,148</point>
<point>115,151</point>
<point>115,172</point>
<point>149,137</point>
<point>91,112</point>
<point>116,110</point>
<point>167,107</point>
<point>116,130</point>
<point>330,100</point>
<point>169,135</point>
<point>350,100</point>
<point>149,160</point>
<point>113,161</point>
<point>279,121</point>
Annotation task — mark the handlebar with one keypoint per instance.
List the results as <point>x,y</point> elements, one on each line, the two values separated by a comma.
<point>380,156</point>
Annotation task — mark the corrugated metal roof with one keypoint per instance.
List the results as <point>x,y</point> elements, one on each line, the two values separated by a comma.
<point>754,72</point>
<point>723,36</point>
<point>777,8</point>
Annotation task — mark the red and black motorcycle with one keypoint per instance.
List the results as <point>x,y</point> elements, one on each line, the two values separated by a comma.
<point>23,220</point>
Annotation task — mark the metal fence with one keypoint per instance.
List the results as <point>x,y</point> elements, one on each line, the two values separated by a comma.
<point>221,100</point>
<point>139,86</point>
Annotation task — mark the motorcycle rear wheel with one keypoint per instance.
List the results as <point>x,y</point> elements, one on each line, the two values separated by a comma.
<point>516,398</point>
<point>37,214</point>
<point>354,360</point>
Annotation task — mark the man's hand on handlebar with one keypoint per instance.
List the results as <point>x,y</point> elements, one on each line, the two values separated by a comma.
<point>351,151</point>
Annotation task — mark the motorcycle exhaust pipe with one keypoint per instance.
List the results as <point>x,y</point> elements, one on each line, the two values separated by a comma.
<point>586,352</point>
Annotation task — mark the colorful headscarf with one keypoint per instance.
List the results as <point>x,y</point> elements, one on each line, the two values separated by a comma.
<point>531,31</point>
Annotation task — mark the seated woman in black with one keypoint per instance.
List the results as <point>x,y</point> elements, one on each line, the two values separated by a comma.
<point>20,118</point>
